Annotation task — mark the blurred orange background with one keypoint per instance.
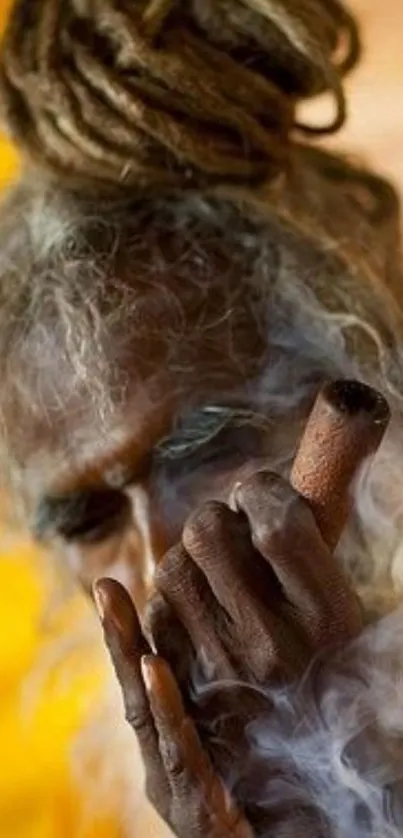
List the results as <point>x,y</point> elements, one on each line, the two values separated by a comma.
<point>375,124</point>
<point>43,702</point>
<point>37,797</point>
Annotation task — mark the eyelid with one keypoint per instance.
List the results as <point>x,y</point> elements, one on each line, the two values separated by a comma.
<point>75,517</point>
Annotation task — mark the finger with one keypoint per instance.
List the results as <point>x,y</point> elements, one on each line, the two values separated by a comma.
<point>218,709</point>
<point>170,640</point>
<point>218,540</point>
<point>284,531</point>
<point>185,588</point>
<point>187,765</point>
<point>126,645</point>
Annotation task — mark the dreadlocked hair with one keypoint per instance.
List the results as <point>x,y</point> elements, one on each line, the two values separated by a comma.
<point>123,94</point>
<point>168,178</point>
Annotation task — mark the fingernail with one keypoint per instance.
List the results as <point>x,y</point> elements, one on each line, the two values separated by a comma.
<point>116,610</point>
<point>147,672</point>
<point>100,600</point>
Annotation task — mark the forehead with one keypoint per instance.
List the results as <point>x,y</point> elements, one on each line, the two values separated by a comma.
<point>86,412</point>
<point>117,453</point>
<point>98,452</point>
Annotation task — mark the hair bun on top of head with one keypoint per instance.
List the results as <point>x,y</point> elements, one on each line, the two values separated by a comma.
<point>151,94</point>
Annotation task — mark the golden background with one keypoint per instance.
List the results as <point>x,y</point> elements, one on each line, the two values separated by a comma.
<point>39,718</point>
<point>42,701</point>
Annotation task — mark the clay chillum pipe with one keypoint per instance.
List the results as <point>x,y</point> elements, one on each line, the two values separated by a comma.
<point>345,428</point>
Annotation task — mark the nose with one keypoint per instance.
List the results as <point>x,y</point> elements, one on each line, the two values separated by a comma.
<point>151,534</point>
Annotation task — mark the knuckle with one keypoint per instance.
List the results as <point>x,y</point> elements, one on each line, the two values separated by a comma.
<point>273,506</point>
<point>265,493</point>
<point>266,660</point>
<point>204,524</point>
<point>172,759</point>
<point>262,481</point>
<point>262,535</point>
<point>169,569</point>
<point>138,719</point>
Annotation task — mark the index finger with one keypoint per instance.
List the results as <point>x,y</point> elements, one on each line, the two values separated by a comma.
<point>126,645</point>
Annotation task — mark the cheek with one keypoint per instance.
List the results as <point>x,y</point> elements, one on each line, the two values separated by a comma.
<point>120,557</point>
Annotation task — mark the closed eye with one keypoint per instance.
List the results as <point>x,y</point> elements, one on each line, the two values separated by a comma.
<point>86,516</point>
<point>230,445</point>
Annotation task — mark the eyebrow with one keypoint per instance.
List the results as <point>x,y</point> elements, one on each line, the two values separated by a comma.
<point>202,426</point>
<point>60,512</point>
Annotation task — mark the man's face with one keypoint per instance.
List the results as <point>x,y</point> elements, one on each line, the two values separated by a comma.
<point>113,498</point>
<point>117,506</point>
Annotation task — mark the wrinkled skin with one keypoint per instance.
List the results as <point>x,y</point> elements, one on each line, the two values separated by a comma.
<point>251,593</point>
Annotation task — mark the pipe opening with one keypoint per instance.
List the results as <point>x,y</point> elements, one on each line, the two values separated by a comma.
<point>354,397</point>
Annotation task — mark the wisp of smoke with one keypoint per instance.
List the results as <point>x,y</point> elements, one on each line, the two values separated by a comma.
<point>332,742</point>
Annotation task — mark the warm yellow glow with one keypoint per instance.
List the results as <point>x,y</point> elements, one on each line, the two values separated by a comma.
<point>41,708</point>
<point>8,156</point>
<point>37,726</point>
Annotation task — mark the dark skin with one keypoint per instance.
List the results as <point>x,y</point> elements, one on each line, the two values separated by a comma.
<point>251,593</point>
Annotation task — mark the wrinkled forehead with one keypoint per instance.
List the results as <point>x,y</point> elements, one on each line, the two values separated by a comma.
<point>117,449</point>
<point>85,449</point>
<point>92,377</point>
<point>96,432</point>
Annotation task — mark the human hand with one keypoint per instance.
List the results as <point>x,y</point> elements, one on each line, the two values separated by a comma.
<point>252,594</point>
<point>180,780</point>
<point>256,591</point>
<point>245,603</point>
<point>253,589</point>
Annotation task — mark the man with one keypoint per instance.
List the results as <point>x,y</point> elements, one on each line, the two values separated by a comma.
<point>180,274</point>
